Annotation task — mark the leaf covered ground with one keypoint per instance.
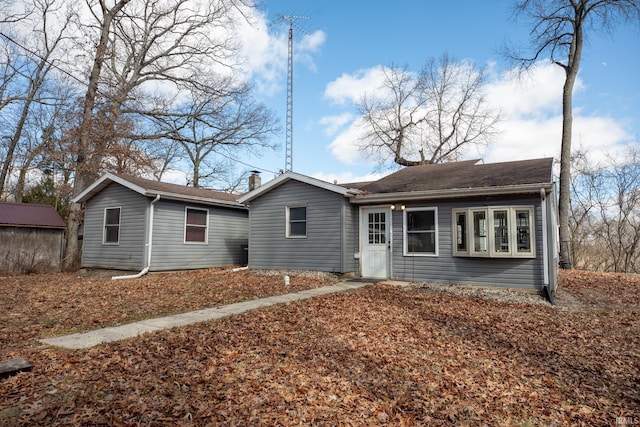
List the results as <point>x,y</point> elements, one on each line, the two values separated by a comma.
<point>383,355</point>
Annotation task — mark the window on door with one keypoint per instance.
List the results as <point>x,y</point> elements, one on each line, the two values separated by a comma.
<point>377,228</point>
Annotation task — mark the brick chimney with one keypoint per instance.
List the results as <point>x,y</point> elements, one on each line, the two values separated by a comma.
<point>254,180</point>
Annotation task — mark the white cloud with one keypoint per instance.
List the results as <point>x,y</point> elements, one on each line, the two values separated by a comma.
<point>348,177</point>
<point>344,146</point>
<point>309,45</point>
<point>265,49</point>
<point>537,93</point>
<point>350,88</point>
<point>531,107</point>
<point>532,113</point>
<point>175,176</point>
<point>347,90</point>
<point>334,123</point>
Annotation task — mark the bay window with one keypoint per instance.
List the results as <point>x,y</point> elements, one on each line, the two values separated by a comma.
<point>493,232</point>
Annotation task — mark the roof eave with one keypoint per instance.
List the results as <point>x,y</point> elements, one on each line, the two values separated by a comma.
<point>287,176</point>
<point>194,199</point>
<point>108,178</point>
<point>452,193</point>
<point>48,227</point>
<point>103,182</point>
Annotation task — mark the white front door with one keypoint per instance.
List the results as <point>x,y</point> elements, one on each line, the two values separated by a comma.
<point>374,242</point>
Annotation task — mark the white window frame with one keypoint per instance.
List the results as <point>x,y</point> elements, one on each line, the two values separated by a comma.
<point>510,215</point>
<point>455,231</point>
<point>532,232</point>
<point>206,226</point>
<point>288,220</point>
<point>405,243</point>
<point>489,232</point>
<point>483,233</point>
<point>104,225</point>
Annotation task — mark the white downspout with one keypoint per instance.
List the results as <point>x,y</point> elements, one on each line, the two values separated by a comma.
<point>543,201</point>
<point>390,243</point>
<point>149,246</point>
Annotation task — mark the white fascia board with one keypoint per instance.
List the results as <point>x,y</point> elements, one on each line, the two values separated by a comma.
<point>451,193</point>
<point>101,183</point>
<point>287,176</point>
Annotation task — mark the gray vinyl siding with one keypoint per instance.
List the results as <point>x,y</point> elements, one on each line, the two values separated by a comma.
<point>323,247</point>
<point>128,254</point>
<point>351,242</point>
<point>525,273</point>
<point>227,235</point>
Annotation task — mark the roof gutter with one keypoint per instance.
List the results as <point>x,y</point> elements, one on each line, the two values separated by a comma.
<point>149,246</point>
<point>195,199</point>
<point>449,193</point>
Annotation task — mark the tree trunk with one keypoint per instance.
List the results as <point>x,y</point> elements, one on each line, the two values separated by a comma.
<point>72,257</point>
<point>564,202</point>
<point>565,172</point>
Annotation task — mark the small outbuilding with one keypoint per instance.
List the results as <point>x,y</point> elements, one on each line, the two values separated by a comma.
<point>137,224</point>
<point>31,238</point>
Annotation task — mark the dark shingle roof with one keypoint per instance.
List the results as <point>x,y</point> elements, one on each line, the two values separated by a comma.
<point>150,188</point>
<point>29,215</point>
<point>180,189</point>
<point>463,175</point>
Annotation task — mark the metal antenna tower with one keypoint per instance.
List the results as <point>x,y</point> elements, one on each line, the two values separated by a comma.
<point>289,120</point>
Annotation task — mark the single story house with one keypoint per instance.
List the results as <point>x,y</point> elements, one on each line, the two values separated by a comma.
<point>461,223</point>
<point>31,238</point>
<point>132,223</point>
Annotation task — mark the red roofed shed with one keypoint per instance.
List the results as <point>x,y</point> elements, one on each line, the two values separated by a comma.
<point>31,238</point>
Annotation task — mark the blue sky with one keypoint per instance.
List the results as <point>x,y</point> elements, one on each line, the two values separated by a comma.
<point>345,42</point>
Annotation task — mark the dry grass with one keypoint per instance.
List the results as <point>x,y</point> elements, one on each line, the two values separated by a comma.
<point>379,356</point>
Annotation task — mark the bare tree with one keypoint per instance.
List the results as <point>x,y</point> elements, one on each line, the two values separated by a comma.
<point>427,118</point>
<point>605,220</point>
<point>586,251</point>
<point>38,130</point>
<point>39,48</point>
<point>164,153</point>
<point>619,206</point>
<point>145,45</point>
<point>558,31</point>
<point>206,124</point>
<point>105,18</point>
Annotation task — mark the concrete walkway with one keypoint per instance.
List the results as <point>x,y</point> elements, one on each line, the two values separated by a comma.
<point>116,333</point>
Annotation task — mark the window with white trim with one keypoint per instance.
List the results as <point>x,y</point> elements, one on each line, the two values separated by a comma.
<point>111,229</point>
<point>524,231</point>
<point>296,218</point>
<point>460,245</point>
<point>420,232</point>
<point>196,224</point>
<point>501,231</point>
